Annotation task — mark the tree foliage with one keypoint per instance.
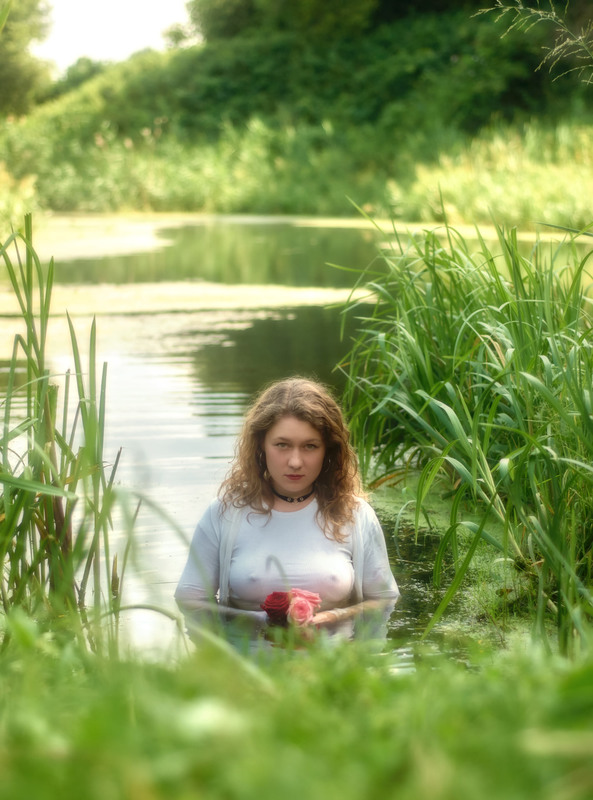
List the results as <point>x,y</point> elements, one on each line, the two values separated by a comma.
<point>21,74</point>
<point>366,104</point>
<point>76,74</point>
<point>222,19</point>
<point>317,19</point>
<point>454,70</point>
<point>312,19</point>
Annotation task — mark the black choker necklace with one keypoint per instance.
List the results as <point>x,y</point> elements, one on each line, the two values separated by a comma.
<point>292,499</point>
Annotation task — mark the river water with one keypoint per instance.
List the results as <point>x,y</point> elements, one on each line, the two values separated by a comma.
<point>193,317</point>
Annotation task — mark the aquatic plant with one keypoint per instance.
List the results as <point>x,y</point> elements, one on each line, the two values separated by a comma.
<point>57,491</point>
<point>479,366</point>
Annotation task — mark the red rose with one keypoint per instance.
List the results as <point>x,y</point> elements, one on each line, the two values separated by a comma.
<point>276,606</point>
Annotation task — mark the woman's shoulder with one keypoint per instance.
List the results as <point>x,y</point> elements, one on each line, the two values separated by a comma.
<point>213,510</point>
<point>217,513</point>
<point>363,508</point>
<point>365,516</point>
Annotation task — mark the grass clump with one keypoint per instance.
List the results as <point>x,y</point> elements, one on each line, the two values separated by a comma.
<point>58,492</point>
<point>478,367</point>
<point>520,175</point>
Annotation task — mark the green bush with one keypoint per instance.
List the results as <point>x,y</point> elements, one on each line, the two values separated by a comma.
<point>524,175</point>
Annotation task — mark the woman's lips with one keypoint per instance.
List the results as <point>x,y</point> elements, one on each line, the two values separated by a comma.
<point>294,477</point>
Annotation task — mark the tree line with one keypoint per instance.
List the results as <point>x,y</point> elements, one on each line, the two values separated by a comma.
<point>26,81</point>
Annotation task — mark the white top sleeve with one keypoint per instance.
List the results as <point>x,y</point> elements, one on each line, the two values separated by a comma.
<point>199,579</point>
<point>378,581</point>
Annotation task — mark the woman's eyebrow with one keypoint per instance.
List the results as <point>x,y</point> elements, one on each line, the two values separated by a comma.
<point>313,439</point>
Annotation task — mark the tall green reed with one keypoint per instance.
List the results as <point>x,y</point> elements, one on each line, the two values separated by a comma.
<point>4,12</point>
<point>478,366</point>
<point>57,491</point>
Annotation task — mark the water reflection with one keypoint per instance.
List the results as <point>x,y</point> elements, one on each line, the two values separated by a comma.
<point>413,558</point>
<point>304,341</point>
<point>280,253</point>
<point>178,383</point>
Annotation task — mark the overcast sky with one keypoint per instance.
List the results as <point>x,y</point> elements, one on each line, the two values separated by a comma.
<point>106,30</point>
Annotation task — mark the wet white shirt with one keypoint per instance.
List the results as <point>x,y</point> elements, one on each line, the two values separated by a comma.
<point>283,551</point>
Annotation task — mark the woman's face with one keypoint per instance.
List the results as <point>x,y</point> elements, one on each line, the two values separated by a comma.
<point>294,452</point>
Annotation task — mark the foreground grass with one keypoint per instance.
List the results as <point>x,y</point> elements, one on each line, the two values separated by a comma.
<point>326,723</point>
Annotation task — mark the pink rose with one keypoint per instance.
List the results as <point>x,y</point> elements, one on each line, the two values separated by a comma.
<point>302,607</point>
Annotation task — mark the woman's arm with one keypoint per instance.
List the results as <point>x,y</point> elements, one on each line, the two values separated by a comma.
<point>333,615</point>
<point>197,591</point>
<point>193,606</point>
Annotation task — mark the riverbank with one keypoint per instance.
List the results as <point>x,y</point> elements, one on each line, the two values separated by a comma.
<point>165,297</point>
<point>76,236</point>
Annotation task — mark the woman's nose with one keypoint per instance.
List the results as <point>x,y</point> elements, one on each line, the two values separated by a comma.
<point>295,457</point>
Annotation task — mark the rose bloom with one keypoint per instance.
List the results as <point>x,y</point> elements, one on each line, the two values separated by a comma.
<point>276,606</point>
<point>302,607</point>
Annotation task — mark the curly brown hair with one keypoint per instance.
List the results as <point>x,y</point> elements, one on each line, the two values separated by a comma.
<point>338,485</point>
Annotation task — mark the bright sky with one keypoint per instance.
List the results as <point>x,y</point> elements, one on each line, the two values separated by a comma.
<point>106,30</point>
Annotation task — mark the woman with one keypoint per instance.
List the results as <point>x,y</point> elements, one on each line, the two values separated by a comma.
<point>290,515</point>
